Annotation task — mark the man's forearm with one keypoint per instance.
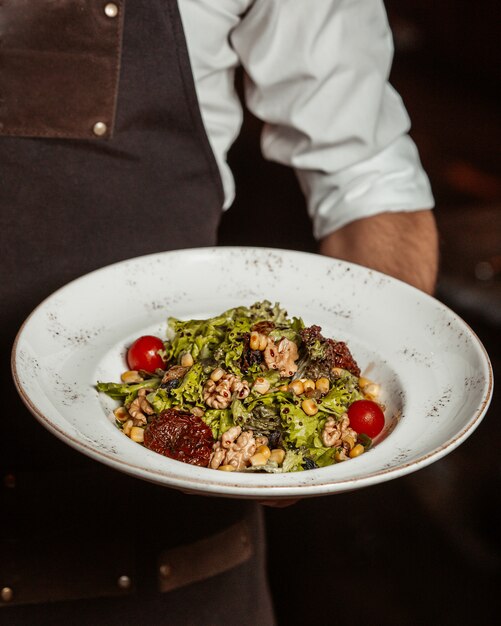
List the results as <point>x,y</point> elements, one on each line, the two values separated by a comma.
<point>403,245</point>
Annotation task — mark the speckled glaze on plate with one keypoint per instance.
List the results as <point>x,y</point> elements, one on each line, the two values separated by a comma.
<point>435,374</point>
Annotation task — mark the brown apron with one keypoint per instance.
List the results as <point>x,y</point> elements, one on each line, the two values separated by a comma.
<point>103,156</point>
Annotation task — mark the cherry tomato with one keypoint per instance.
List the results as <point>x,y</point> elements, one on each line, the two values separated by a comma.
<point>143,354</point>
<point>366,417</point>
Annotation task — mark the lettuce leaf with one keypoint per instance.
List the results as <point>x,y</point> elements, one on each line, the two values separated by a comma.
<point>322,455</point>
<point>126,392</point>
<point>300,429</point>
<point>293,461</point>
<point>290,330</point>
<point>230,350</point>
<point>219,420</point>
<point>198,337</point>
<point>223,341</point>
<point>186,395</point>
<point>344,391</point>
<point>260,416</point>
<point>221,337</point>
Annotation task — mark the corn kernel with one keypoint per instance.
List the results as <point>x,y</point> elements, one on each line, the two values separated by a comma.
<point>121,414</point>
<point>131,376</point>
<point>264,450</point>
<point>254,340</point>
<point>371,391</point>
<point>226,468</point>
<point>340,455</point>
<point>258,459</point>
<point>137,434</point>
<point>263,342</point>
<point>309,384</point>
<point>350,441</point>
<point>127,427</point>
<point>369,388</point>
<point>277,455</point>
<point>323,385</point>
<point>217,374</point>
<point>261,385</point>
<point>309,406</point>
<point>357,451</point>
<point>187,360</point>
<point>284,388</point>
<point>297,387</point>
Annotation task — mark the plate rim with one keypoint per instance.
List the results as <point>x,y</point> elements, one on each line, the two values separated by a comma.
<point>209,487</point>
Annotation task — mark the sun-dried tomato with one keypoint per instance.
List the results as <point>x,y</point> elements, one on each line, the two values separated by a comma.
<point>338,353</point>
<point>180,436</point>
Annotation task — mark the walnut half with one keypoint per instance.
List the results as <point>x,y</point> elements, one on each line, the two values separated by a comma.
<point>235,448</point>
<point>339,433</point>
<point>219,393</point>
<point>281,356</point>
<point>140,408</point>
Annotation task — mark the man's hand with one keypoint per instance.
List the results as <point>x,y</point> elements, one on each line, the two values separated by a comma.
<point>279,504</point>
<point>403,245</point>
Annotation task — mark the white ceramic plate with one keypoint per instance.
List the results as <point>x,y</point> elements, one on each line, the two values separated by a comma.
<point>435,373</point>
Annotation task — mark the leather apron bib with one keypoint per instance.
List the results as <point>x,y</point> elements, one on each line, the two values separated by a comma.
<point>103,157</point>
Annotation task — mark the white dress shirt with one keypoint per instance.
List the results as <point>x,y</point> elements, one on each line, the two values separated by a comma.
<point>317,75</point>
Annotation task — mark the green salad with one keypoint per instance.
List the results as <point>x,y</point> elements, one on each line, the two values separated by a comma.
<point>251,389</point>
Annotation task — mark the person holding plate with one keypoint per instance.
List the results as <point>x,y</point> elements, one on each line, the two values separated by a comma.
<point>115,121</point>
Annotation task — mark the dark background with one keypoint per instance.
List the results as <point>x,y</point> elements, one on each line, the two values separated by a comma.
<point>418,551</point>
<point>426,548</point>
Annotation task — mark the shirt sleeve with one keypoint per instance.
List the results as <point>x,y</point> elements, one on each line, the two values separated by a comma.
<point>317,75</point>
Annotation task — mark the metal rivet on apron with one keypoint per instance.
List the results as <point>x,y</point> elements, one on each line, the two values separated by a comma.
<point>111,9</point>
<point>6,594</point>
<point>124,582</point>
<point>165,571</point>
<point>99,129</point>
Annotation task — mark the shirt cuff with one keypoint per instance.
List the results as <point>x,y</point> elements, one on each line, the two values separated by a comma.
<point>391,181</point>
